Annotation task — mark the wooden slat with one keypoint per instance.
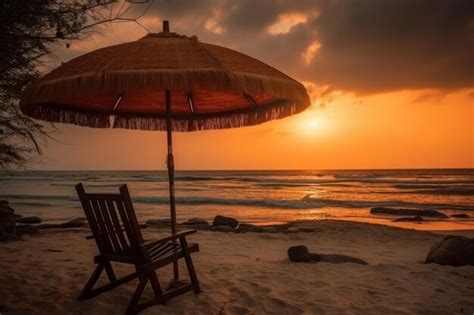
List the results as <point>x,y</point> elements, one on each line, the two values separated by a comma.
<point>86,205</point>
<point>110,227</point>
<point>118,227</point>
<point>94,224</point>
<point>96,196</point>
<point>174,248</point>
<point>127,201</point>
<point>101,224</point>
<point>126,223</point>
<point>158,262</point>
<point>154,251</point>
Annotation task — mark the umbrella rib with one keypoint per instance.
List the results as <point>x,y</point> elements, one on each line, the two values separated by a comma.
<point>250,100</point>
<point>213,57</point>
<point>117,102</point>
<point>109,62</point>
<point>190,101</point>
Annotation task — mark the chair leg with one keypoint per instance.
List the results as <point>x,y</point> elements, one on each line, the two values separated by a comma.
<point>89,289</point>
<point>110,271</point>
<point>86,291</point>
<point>133,305</point>
<point>190,266</point>
<point>155,284</point>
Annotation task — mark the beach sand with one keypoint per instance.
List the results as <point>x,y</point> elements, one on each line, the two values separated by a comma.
<point>249,273</point>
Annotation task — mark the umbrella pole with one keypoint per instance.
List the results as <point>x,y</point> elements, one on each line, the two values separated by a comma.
<point>170,164</point>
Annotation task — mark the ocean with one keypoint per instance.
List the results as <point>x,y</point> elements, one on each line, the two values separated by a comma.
<point>258,197</point>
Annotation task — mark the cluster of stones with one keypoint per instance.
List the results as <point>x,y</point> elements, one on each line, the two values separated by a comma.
<point>452,250</point>
<point>13,226</point>
<point>7,222</point>
<point>230,225</point>
<point>415,215</point>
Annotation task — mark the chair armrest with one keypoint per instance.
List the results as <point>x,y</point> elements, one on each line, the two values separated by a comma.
<point>141,226</point>
<point>180,234</point>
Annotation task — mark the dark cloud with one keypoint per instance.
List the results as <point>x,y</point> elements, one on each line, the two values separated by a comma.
<point>386,45</point>
<point>367,46</point>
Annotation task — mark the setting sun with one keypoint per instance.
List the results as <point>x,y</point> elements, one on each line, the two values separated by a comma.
<point>311,126</point>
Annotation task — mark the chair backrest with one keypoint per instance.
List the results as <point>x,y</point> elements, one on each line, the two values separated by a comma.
<point>112,220</point>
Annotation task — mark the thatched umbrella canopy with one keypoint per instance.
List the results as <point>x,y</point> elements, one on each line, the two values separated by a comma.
<point>212,87</point>
<point>164,81</point>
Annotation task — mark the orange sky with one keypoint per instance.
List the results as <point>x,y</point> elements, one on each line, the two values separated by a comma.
<point>416,126</point>
<point>390,130</point>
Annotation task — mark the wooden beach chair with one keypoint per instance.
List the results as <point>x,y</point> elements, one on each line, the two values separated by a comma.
<point>115,229</point>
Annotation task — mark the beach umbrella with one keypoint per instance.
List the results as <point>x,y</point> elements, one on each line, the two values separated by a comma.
<point>164,81</point>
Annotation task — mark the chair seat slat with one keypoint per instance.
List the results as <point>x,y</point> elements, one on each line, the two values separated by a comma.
<point>159,247</point>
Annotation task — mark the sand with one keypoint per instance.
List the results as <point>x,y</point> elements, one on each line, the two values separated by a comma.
<point>250,274</point>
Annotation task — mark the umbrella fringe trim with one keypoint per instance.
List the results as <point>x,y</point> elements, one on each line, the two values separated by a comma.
<point>233,120</point>
<point>141,122</point>
<point>69,116</point>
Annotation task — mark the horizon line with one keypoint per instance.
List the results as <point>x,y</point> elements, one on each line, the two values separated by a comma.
<point>244,170</point>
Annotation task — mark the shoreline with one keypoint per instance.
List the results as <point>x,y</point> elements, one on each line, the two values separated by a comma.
<point>271,227</point>
<point>433,226</point>
<point>428,224</point>
<point>402,226</point>
<point>448,223</point>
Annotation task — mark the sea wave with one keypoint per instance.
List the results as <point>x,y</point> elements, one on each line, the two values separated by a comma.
<point>448,191</point>
<point>277,180</point>
<point>432,187</point>
<point>37,197</point>
<point>388,203</point>
<point>35,204</point>
<point>307,202</point>
<point>358,176</point>
<point>266,203</point>
<point>69,184</point>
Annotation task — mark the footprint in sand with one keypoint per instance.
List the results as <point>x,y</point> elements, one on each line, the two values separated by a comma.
<point>295,294</point>
<point>256,286</point>
<point>243,296</point>
<point>234,309</point>
<point>52,250</point>
<point>276,304</point>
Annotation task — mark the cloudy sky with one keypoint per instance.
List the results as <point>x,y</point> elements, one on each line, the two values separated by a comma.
<point>391,82</point>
